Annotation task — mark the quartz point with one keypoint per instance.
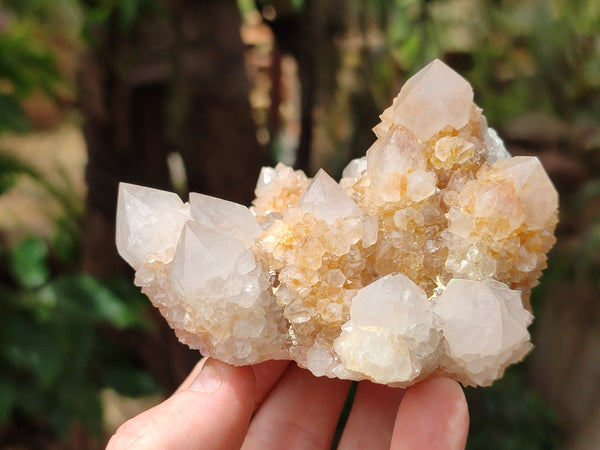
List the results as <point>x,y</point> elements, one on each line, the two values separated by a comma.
<point>327,200</point>
<point>419,261</point>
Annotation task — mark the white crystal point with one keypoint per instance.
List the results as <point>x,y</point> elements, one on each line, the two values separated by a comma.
<point>420,185</point>
<point>202,255</point>
<point>498,205</point>
<point>355,168</point>
<point>390,319</point>
<point>495,148</point>
<point>327,200</point>
<point>228,217</point>
<point>276,178</point>
<point>432,99</point>
<point>533,187</point>
<point>318,359</point>
<point>149,222</point>
<point>268,175</point>
<point>484,325</point>
<point>397,152</point>
<point>277,189</point>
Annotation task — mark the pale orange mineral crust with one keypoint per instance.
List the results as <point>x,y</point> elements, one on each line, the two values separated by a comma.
<point>419,261</point>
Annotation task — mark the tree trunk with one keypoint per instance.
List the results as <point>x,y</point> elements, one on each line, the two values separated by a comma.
<point>174,82</point>
<point>309,36</point>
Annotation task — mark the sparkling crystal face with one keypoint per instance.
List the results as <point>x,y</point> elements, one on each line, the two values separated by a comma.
<point>419,261</point>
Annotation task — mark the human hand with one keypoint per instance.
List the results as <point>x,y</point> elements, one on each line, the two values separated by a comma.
<point>275,405</point>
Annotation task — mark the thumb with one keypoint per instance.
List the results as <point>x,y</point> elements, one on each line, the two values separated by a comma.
<point>213,412</point>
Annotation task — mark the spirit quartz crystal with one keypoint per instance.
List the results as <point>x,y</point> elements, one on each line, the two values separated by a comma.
<point>419,261</point>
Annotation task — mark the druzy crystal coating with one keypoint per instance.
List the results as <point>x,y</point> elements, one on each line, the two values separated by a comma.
<point>419,261</point>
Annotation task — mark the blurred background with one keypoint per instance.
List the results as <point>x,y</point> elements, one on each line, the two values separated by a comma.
<point>198,95</point>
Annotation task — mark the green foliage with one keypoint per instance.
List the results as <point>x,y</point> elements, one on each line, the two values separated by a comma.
<point>121,13</point>
<point>61,338</point>
<point>26,61</point>
<point>59,343</point>
<point>508,416</point>
<point>12,117</point>
<point>28,263</point>
<point>519,56</point>
<point>539,56</point>
<point>56,351</point>
<point>23,64</point>
<point>10,170</point>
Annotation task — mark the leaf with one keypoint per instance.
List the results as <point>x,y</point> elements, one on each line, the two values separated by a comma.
<point>28,262</point>
<point>411,50</point>
<point>79,399</point>
<point>108,306</point>
<point>12,117</point>
<point>32,400</point>
<point>66,244</point>
<point>35,348</point>
<point>80,295</point>
<point>128,12</point>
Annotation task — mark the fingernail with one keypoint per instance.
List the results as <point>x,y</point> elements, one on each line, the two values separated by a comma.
<point>208,380</point>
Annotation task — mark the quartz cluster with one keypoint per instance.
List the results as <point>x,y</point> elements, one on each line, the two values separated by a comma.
<point>419,261</point>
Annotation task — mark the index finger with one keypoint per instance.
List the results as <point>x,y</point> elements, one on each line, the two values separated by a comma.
<point>432,414</point>
<point>266,375</point>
